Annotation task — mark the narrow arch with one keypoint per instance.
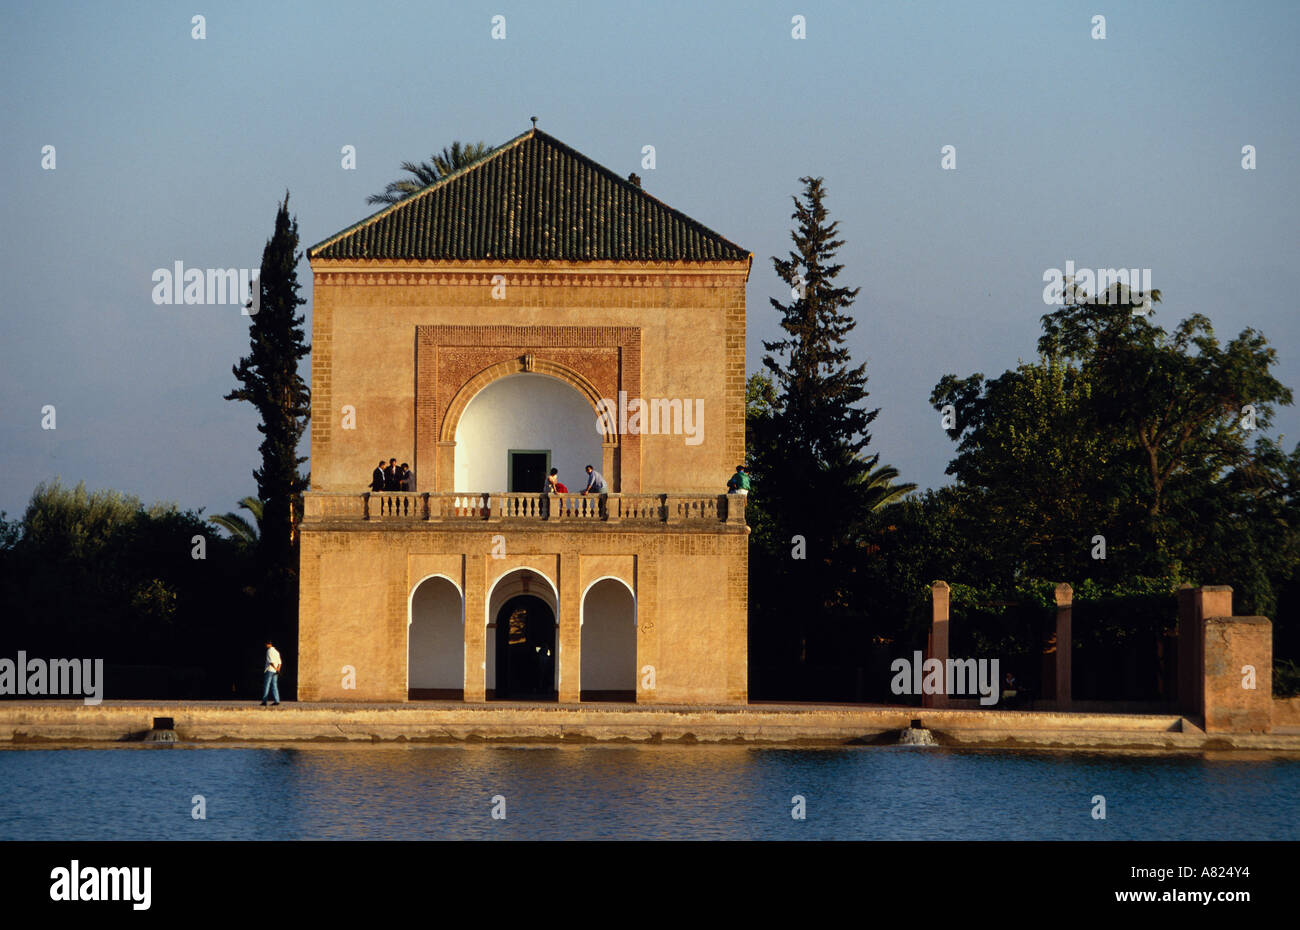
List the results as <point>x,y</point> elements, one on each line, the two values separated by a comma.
<point>509,671</point>
<point>609,625</point>
<point>608,578</point>
<point>533,572</point>
<point>435,640</point>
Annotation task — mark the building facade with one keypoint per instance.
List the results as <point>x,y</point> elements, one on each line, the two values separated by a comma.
<point>530,311</point>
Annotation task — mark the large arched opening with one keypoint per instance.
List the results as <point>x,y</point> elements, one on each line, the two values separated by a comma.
<point>519,427</point>
<point>435,641</point>
<point>608,642</point>
<point>523,656</point>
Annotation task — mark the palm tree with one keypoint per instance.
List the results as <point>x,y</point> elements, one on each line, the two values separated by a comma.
<point>439,165</point>
<point>239,528</point>
<point>879,487</point>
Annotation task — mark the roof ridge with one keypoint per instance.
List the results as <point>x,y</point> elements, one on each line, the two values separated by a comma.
<point>634,187</point>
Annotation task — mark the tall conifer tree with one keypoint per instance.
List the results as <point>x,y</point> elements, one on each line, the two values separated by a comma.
<point>269,381</point>
<point>818,482</point>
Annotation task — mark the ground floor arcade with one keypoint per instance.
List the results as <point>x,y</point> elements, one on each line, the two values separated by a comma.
<point>523,611</point>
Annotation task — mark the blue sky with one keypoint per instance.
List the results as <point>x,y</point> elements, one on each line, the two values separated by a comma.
<point>1123,151</point>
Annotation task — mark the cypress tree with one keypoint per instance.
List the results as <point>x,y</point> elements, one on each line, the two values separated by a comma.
<point>269,381</point>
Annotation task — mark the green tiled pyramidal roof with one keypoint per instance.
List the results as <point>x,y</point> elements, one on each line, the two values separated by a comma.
<point>532,198</point>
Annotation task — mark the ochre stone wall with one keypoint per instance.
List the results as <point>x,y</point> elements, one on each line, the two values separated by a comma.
<point>689,587</point>
<point>657,330</point>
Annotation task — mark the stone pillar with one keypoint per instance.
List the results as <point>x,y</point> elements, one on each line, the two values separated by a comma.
<point>392,683</point>
<point>569,635</point>
<point>647,635</point>
<point>1208,601</point>
<point>1238,679</point>
<point>1064,642</point>
<point>1214,601</point>
<point>309,617</point>
<point>475,629</point>
<point>609,466</point>
<point>737,617</point>
<point>445,481</point>
<point>937,646</point>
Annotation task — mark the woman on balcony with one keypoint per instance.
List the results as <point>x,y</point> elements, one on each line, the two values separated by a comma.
<point>553,483</point>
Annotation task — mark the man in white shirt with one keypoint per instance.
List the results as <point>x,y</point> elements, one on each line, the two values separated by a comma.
<point>271,674</point>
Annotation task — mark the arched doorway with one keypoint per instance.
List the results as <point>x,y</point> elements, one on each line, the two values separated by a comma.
<point>525,650</point>
<point>435,642</point>
<point>608,642</point>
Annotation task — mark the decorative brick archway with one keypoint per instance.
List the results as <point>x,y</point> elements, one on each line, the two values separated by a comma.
<point>454,363</point>
<point>526,364</point>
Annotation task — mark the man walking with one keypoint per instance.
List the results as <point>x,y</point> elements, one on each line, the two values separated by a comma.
<point>271,674</point>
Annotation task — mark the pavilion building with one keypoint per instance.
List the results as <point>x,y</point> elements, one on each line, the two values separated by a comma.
<point>530,311</point>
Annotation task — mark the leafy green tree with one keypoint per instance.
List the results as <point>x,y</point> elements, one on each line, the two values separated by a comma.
<point>1145,436</point>
<point>100,574</point>
<point>1178,399</point>
<point>440,164</point>
<point>76,524</point>
<point>1035,471</point>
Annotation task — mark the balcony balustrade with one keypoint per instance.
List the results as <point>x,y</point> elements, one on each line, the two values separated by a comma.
<point>461,507</point>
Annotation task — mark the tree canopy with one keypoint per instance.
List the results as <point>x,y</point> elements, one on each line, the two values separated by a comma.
<point>1151,439</point>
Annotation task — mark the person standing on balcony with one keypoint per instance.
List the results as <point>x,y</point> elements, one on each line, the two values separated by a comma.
<point>391,476</point>
<point>595,482</point>
<point>377,477</point>
<point>552,485</point>
<point>739,482</point>
<point>596,485</point>
<point>405,479</point>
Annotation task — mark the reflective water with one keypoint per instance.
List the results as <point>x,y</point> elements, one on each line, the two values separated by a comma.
<point>640,792</point>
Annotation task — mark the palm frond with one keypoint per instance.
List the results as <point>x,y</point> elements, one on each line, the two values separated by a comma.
<point>440,164</point>
<point>239,528</point>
